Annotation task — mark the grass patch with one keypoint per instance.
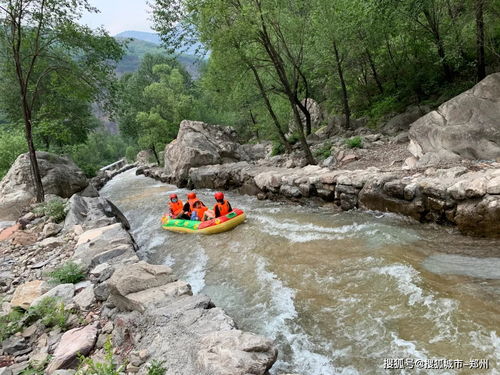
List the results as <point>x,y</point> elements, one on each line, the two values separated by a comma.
<point>50,312</point>
<point>88,366</point>
<point>10,324</point>
<point>354,142</point>
<point>68,273</point>
<point>53,209</point>
<point>157,368</point>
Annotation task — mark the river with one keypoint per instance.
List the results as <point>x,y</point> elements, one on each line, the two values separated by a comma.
<point>339,292</point>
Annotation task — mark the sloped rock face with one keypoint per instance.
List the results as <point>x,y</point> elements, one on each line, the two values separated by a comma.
<point>199,144</point>
<point>60,176</point>
<point>467,125</point>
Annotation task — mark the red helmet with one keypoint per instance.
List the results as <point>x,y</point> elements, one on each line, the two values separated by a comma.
<point>219,196</point>
<point>191,196</point>
<point>173,196</point>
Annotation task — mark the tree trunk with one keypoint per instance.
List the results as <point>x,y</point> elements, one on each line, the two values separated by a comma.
<point>35,170</point>
<point>267,102</point>
<point>434,26</point>
<point>480,64</point>
<point>254,122</point>
<point>374,71</point>
<point>345,98</point>
<point>153,148</point>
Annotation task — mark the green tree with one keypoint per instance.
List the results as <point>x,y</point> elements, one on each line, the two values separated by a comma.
<point>41,43</point>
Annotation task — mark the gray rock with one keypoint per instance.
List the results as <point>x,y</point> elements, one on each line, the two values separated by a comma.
<point>402,121</point>
<point>101,245</point>
<point>200,144</point>
<point>236,353</point>
<point>60,176</point>
<point>51,229</point>
<point>101,273</point>
<point>15,345</point>
<point>85,299</point>
<point>5,371</point>
<point>466,125</point>
<point>102,292</point>
<point>63,292</point>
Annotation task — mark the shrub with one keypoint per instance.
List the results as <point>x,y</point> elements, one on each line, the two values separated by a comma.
<point>88,366</point>
<point>324,152</point>
<point>53,209</point>
<point>278,149</point>
<point>355,142</point>
<point>10,324</point>
<point>68,273</point>
<point>50,312</point>
<point>156,368</point>
<point>12,144</point>
<point>294,138</point>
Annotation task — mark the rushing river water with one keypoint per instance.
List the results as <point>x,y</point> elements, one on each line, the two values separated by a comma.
<point>339,292</point>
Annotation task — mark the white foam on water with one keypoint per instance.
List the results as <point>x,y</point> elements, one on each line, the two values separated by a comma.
<point>196,274</point>
<point>439,310</point>
<point>300,233</point>
<point>169,261</point>
<point>280,321</point>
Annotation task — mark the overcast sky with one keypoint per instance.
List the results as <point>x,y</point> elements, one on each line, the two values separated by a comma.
<point>120,15</point>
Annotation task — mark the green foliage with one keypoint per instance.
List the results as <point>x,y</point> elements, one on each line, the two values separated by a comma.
<point>51,312</point>
<point>157,368</point>
<point>99,150</point>
<point>109,367</point>
<point>324,152</point>
<point>10,324</point>
<point>54,209</point>
<point>354,142</point>
<point>278,148</point>
<point>68,273</point>
<point>12,144</point>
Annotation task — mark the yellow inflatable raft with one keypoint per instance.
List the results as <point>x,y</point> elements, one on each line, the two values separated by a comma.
<point>214,226</point>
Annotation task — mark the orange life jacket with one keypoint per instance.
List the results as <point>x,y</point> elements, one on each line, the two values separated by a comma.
<point>175,208</point>
<point>200,212</point>
<point>191,204</point>
<point>223,208</point>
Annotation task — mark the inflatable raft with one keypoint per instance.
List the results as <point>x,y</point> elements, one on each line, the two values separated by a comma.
<point>219,225</point>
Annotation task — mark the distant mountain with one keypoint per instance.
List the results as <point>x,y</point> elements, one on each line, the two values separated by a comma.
<point>141,35</point>
<point>155,39</point>
<point>137,48</point>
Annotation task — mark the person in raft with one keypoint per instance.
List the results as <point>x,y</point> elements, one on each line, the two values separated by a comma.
<point>189,206</point>
<point>176,207</point>
<point>222,207</point>
<point>199,211</point>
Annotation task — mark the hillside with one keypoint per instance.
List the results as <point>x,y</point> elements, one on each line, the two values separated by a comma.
<point>137,48</point>
<point>155,39</point>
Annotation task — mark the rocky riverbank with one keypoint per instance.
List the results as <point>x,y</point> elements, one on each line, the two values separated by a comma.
<point>150,317</point>
<point>466,197</point>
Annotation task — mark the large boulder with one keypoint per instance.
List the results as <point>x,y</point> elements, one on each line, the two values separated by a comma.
<point>467,125</point>
<point>401,122</point>
<point>199,144</point>
<point>60,176</point>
